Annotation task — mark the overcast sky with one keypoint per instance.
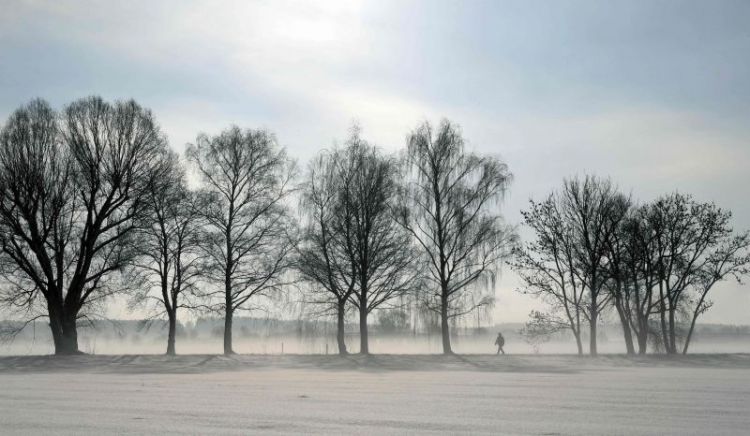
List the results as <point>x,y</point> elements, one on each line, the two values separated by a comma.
<point>655,94</point>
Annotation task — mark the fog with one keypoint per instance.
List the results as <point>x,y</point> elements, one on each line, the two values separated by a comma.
<point>113,338</point>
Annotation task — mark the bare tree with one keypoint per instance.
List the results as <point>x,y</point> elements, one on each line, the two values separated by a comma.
<point>729,258</point>
<point>695,248</point>
<point>249,179</point>
<point>547,269</point>
<point>322,258</point>
<point>169,263</point>
<point>72,188</point>
<point>635,267</point>
<point>449,208</point>
<point>594,209</point>
<point>377,247</point>
<point>619,265</point>
<point>569,263</point>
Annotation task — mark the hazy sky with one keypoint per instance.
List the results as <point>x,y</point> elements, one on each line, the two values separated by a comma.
<point>655,94</point>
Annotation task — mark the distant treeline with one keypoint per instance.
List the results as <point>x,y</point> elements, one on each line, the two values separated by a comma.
<point>94,204</point>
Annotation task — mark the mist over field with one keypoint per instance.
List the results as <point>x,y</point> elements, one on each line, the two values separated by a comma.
<point>274,337</point>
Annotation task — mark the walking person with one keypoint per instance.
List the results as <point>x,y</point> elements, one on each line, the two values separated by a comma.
<point>500,342</point>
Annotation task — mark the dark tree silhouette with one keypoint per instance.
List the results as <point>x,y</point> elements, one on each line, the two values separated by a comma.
<point>322,258</point>
<point>547,269</point>
<point>72,189</point>
<point>378,248</point>
<point>695,248</point>
<point>449,209</point>
<point>633,270</point>
<point>619,265</point>
<point>594,209</point>
<point>568,263</point>
<point>593,248</point>
<point>169,263</point>
<point>729,258</point>
<point>248,177</point>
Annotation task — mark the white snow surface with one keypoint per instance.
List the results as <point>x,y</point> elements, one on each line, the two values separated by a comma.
<point>381,394</point>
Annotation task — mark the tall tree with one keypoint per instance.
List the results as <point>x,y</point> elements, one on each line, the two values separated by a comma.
<point>594,209</point>
<point>450,210</point>
<point>380,250</point>
<point>637,272</point>
<point>620,283</point>
<point>322,258</point>
<point>169,262</point>
<point>249,179</point>
<point>72,189</point>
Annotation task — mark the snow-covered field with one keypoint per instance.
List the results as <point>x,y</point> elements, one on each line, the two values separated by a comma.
<point>532,394</point>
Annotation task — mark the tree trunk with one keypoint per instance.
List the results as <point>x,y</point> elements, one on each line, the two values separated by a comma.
<point>228,298</point>
<point>626,330</point>
<point>689,336</point>
<point>171,334</point>
<point>55,326</point>
<point>364,345</point>
<point>663,320</point>
<point>643,339</point>
<point>67,342</point>
<point>228,332</point>
<point>63,328</point>
<point>592,332</point>
<point>579,343</point>
<point>672,345</point>
<point>696,313</point>
<point>340,325</point>
<point>643,331</point>
<point>445,327</point>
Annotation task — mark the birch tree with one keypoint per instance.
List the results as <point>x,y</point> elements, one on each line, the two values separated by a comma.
<point>249,179</point>
<point>450,209</point>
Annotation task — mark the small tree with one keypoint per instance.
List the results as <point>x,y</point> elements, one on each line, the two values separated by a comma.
<point>547,269</point>
<point>730,258</point>
<point>541,327</point>
<point>248,178</point>
<point>448,208</point>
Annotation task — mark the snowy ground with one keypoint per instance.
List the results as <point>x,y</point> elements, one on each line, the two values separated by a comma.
<point>532,394</point>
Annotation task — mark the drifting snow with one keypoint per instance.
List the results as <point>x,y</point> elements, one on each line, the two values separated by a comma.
<point>544,394</point>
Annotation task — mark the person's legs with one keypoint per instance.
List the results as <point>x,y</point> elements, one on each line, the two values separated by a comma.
<point>501,349</point>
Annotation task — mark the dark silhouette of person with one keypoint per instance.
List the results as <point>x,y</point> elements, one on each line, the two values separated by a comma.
<point>500,342</point>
